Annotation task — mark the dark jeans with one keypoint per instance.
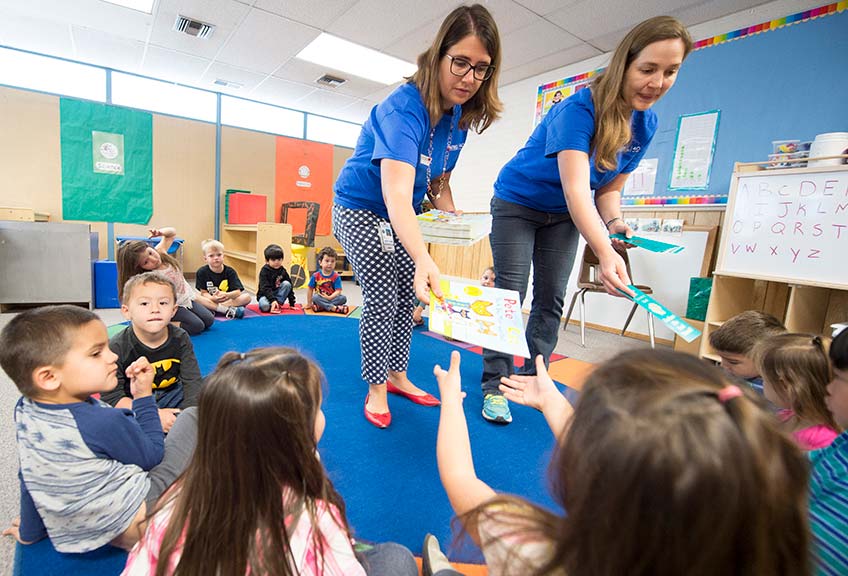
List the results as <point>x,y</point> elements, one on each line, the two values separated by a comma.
<point>388,559</point>
<point>521,235</point>
<point>194,320</point>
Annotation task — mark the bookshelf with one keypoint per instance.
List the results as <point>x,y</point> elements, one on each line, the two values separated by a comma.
<point>244,246</point>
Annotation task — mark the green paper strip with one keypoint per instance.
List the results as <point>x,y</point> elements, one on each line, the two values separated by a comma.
<point>651,245</point>
<point>669,318</point>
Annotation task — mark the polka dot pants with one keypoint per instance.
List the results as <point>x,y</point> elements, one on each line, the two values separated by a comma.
<point>385,328</point>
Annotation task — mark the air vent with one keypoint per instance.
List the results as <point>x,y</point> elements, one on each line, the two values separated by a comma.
<point>228,83</point>
<point>330,81</point>
<point>193,27</point>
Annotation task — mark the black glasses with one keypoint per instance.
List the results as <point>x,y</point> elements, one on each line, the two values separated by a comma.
<point>461,66</point>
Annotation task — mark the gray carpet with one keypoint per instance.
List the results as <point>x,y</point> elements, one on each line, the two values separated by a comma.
<point>599,347</point>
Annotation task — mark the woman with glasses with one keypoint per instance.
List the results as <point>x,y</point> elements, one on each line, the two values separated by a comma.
<point>544,199</point>
<point>407,149</point>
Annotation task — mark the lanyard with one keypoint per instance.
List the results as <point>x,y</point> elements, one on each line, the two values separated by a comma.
<point>444,164</point>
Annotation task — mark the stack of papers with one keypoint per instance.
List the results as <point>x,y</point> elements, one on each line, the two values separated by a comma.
<point>439,227</point>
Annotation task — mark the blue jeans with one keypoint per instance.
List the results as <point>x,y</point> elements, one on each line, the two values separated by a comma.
<point>325,303</point>
<point>281,296</point>
<point>521,235</point>
<point>388,559</point>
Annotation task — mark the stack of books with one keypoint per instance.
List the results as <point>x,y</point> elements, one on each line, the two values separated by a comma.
<point>439,227</point>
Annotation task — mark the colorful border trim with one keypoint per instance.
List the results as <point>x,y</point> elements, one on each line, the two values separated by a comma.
<point>673,200</point>
<point>559,84</point>
<point>773,25</point>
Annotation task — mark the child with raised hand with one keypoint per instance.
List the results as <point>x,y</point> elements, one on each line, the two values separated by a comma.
<point>255,498</point>
<point>829,475</point>
<point>88,472</point>
<point>796,371</point>
<point>664,467</point>
<point>325,285</point>
<point>194,314</point>
<point>220,283</point>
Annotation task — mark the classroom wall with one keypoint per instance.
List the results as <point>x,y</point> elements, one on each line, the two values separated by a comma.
<point>247,163</point>
<point>484,155</point>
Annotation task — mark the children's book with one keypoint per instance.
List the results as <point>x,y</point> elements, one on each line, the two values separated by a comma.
<point>487,317</point>
<point>650,244</point>
<point>669,318</point>
<point>440,227</point>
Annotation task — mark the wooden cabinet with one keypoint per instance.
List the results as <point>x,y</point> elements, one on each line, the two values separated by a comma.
<point>244,246</point>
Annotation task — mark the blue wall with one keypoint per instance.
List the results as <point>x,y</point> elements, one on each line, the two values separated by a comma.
<point>789,83</point>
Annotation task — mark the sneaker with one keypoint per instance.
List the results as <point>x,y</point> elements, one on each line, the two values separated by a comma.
<point>231,312</point>
<point>496,409</point>
<point>239,312</point>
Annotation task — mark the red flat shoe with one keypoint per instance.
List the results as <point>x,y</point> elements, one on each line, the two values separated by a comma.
<point>377,419</point>
<point>423,399</point>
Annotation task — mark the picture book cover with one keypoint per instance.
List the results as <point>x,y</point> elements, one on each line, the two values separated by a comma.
<point>487,317</point>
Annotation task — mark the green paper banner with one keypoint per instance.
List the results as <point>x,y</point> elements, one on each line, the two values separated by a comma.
<point>107,163</point>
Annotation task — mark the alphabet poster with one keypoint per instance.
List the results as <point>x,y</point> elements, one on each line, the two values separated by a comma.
<point>788,225</point>
<point>487,317</point>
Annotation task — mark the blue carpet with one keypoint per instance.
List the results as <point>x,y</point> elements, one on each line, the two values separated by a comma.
<point>389,478</point>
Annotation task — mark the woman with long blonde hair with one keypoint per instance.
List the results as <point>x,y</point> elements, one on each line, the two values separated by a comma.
<point>407,149</point>
<point>543,197</point>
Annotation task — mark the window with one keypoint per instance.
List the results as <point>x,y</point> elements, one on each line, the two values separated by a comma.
<point>165,97</point>
<point>321,129</point>
<point>52,75</point>
<point>262,117</point>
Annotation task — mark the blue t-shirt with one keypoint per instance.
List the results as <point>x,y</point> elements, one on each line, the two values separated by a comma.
<point>532,179</point>
<point>398,129</point>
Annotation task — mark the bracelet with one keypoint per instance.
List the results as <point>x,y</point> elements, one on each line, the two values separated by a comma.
<point>612,220</point>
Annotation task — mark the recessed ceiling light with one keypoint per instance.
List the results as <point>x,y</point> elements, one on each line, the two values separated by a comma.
<point>140,5</point>
<point>333,52</point>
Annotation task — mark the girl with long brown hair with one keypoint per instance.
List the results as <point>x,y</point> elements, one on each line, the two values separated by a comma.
<point>255,498</point>
<point>194,311</point>
<point>407,149</point>
<point>664,467</point>
<point>543,197</point>
<point>796,371</point>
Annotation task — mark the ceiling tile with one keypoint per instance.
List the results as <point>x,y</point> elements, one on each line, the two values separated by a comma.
<point>110,18</point>
<point>43,36</point>
<point>248,79</point>
<point>510,15</point>
<point>590,19</point>
<point>280,92</point>
<point>307,73</point>
<point>318,14</point>
<point>174,66</point>
<point>550,62</point>
<point>324,102</point>
<point>371,24</point>
<point>545,6</point>
<point>264,41</point>
<point>225,15</point>
<point>535,41</point>
<point>357,112</point>
<point>107,50</point>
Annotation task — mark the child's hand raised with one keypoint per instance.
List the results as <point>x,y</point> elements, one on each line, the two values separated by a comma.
<point>141,375</point>
<point>450,383</point>
<point>530,391</point>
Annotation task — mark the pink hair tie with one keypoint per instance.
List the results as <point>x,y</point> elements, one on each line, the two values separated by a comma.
<point>729,392</point>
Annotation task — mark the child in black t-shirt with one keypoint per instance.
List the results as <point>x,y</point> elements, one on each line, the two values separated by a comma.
<point>220,283</point>
<point>275,284</point>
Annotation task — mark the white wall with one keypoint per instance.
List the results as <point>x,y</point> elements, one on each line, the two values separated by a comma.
<point>484,155</point>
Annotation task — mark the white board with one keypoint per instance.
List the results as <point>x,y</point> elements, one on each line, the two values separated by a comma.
<point>667,274</point>
<point>787,225</point>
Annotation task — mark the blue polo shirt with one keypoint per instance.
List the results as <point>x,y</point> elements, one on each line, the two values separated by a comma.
<point>398,129</point>
<point>532,179</point>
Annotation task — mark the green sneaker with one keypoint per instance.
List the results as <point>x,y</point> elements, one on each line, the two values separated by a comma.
<point>496,409</point>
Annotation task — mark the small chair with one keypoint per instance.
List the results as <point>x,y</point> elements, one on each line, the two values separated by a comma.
<point>588,282</point>
<point>301,242</point>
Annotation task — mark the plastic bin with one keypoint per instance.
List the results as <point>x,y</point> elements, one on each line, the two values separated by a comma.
<point>247,208</point>
<point>106,284</point>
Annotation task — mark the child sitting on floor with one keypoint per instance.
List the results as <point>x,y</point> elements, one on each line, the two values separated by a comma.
<point>221,283</point>
<point>88,471</point>
<point>734,342</point>
<point>275,284</point>
<point>325,286</point>
<point>149,305</point>
<point>255,498</point>
<point>664,467</point>
<point>829,476</point>
<point>796,371</point>
<point>194,313</point>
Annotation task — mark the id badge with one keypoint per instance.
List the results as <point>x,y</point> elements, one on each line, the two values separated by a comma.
<point>387,239</point>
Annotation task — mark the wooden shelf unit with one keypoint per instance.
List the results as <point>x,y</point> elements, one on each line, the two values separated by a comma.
<point>802,308</point>
<point>244,246</point>
<point>343,266</point>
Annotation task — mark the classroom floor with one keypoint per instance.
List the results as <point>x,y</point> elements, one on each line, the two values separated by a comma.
<point>599,347</point>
